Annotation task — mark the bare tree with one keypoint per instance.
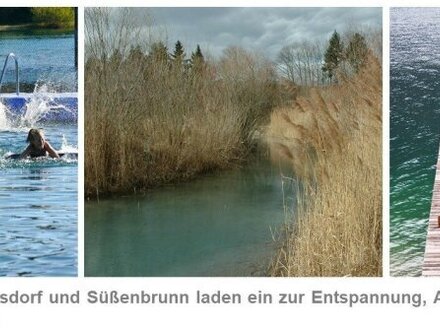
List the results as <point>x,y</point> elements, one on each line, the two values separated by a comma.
<point>116,29</point>
<point>301,63</point>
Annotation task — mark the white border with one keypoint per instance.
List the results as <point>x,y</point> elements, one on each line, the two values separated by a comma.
<point>223,317</point>
<point>386,141</point>
<point>81,145</point>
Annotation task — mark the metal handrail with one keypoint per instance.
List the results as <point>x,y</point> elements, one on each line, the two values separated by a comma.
<point>17,82</point>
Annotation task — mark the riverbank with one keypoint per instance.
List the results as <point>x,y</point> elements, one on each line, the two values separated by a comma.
<point>17,27</point>
<point>333,140</point>
<point>150,121</point>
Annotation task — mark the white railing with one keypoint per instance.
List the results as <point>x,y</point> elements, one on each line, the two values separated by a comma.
<point>17,82</point>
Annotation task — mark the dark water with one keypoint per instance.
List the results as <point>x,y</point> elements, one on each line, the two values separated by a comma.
<point>218,225</point>
<point>46,59</point>
<point>38,205</point>
<point>415,132</point>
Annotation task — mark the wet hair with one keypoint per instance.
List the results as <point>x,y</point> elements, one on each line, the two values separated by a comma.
<point>34,134</point>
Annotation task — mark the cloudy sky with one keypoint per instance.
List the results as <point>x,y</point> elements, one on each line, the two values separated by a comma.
<point>265,30</point>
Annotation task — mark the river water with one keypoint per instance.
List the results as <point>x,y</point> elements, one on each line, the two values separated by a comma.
<point>217,225</point>
<point>415,132</point>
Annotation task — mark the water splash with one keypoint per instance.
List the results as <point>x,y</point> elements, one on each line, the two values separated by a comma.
<point>66,147</point>
<point>39,106</point>
<point>4,122</point>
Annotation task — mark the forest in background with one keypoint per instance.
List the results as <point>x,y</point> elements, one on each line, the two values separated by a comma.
<point>47,17</point>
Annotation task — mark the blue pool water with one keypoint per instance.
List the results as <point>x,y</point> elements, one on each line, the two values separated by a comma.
<point>46,59</point>
<point>38,198</point>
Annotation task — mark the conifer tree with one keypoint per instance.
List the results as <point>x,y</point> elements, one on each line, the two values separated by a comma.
<point>159,53</point>
<point>179,53</point>
<point>197,60</point>
<point>333,55</point>
<point>357,51</point>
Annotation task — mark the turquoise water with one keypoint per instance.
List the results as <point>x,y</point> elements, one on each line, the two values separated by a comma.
<point>218,225</point>
<point>44,59</point>
<point>415,132</point>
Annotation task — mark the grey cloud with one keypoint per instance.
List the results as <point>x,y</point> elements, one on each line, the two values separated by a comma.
<point>265,30</point>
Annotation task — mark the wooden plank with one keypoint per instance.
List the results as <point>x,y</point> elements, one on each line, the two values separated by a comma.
<point>431,260</point>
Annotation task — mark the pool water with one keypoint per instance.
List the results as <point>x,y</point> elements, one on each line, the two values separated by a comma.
<point>46,59</point>
<point>38,204</point>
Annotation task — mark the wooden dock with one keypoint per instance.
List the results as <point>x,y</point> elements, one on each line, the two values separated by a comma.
<point>431,261</point>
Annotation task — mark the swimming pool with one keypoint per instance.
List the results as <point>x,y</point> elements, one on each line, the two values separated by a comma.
<point>38,198</point>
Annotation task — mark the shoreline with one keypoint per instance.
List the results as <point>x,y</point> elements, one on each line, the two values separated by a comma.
<point>33,26</point>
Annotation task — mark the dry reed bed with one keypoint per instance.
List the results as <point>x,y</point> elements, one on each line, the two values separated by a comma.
<point>149,122</point>
<point>333,139</point>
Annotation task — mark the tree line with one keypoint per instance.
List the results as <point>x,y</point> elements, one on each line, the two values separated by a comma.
<point>51,17</point>
<point>158,53</point>
<point>307,64</point>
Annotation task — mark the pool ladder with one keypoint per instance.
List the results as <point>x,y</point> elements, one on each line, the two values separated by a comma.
<point>17,88</point>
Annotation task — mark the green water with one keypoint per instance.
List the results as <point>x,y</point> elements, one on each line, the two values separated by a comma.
<point>415,132</point>
<point>217,225</point>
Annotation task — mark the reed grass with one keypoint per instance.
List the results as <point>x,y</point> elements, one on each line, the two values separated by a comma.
<point>333,138</point>
<point>149,121</point>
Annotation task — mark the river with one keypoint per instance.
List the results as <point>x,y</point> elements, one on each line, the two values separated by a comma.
<point>222,224</point>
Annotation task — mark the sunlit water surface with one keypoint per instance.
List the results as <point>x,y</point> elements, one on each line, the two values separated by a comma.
<point>415,131</point>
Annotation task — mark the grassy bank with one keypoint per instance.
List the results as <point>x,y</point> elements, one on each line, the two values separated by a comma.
<point>332,136</point>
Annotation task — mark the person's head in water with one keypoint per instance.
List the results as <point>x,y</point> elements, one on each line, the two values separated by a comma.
<point>36,138</point>
<point>38,145</point>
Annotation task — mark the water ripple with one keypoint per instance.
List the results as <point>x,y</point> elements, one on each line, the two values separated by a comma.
<point>415,133</point>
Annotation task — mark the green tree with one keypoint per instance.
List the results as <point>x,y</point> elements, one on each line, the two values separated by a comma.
<point>15,15</point>
<point>333,55</point>
<point>58,17</point>
<point>178,55</point>
<point>197,60</point>
<point>356,52</point>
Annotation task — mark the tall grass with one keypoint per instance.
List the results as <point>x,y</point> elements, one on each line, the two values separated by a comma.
<point>150,120</point>
<point>333,139</point>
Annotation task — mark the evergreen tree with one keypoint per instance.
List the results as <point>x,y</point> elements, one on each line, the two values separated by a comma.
<point>159,53</point>
<point>15,15</point>
<point>357,51</point>
<point>333,55</point>
<point>197,60</point>
<point>179,53</point>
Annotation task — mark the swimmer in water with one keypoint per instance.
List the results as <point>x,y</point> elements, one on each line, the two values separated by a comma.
<point>38,146</point>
